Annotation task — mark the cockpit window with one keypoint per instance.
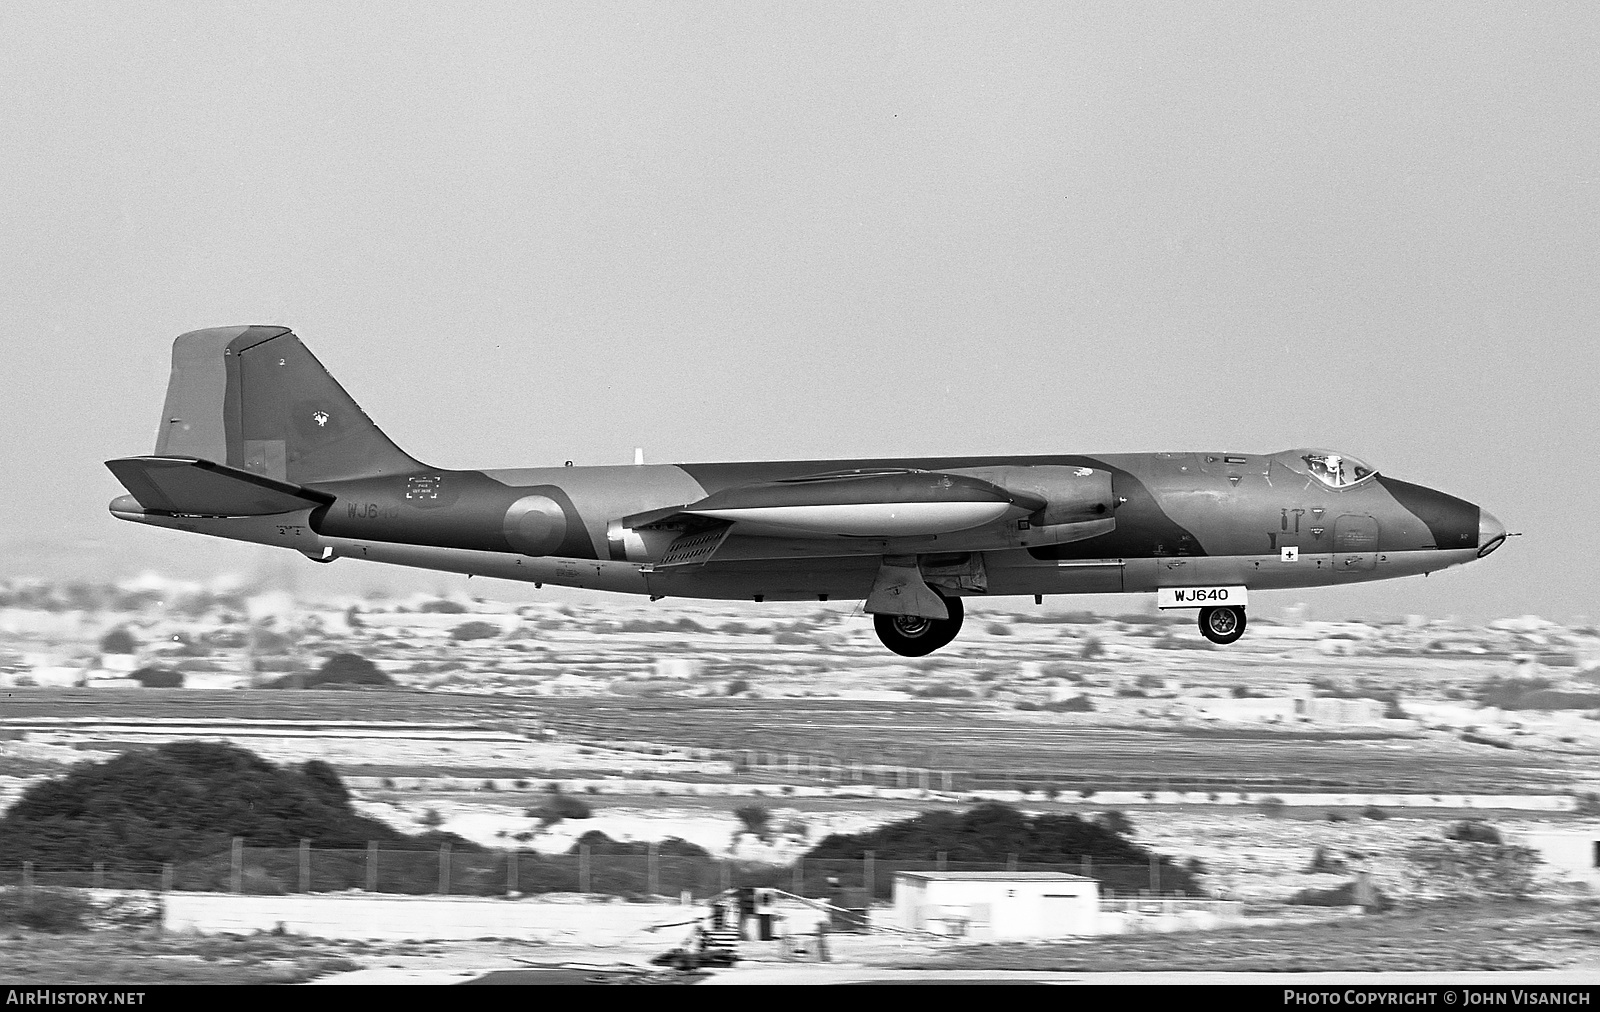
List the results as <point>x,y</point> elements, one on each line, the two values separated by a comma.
<point>1336,470</point>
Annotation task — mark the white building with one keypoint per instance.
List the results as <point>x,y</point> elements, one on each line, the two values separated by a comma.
<point>997,905</point>
<point>1569,852</point>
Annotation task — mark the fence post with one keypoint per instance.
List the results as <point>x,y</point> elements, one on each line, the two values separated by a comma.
<point>946,775</point>
<point>942,857</point>
<point>27,884</point>
<point>305,866</point>
<point>1155,874</point>
<point>238,864</point>
<point>583,868</point>
<point>372,866</point>
<point>1088,866</point>
<point>166,877</point>
<point>444,869</point>
<point>799,876</point>
<point>1011,862</point>
<point>652,869</point>
<point>511,872</point>
<point>99,874</point>
<point>866,873</point>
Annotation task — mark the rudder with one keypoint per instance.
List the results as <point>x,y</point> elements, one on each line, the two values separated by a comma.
<point>255,398</point>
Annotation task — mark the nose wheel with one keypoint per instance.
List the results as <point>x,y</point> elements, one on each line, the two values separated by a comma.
<point>915,636</point>
<point>1222,625</point>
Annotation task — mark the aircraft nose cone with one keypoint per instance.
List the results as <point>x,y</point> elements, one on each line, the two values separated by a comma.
<point>1491,532</point>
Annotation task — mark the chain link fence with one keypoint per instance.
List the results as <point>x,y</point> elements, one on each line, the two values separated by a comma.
<point>271,871</point>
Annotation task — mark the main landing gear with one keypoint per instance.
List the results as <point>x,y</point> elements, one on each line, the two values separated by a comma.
<point>915,636</point>
<point>1222,625</point>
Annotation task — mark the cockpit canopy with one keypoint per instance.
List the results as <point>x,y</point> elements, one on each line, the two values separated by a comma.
<point>1334,469</point>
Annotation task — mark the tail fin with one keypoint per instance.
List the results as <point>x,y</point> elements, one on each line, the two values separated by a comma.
<point>254,398</point>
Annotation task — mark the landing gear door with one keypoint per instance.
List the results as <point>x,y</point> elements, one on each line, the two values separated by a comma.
<point>1355,544</point>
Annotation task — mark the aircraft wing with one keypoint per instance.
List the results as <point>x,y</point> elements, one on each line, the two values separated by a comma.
<point>195,487</point>
<point>849,504</point>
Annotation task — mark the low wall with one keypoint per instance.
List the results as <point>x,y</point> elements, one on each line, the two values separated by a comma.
<point>1100,799</point>
<point>422,917</point>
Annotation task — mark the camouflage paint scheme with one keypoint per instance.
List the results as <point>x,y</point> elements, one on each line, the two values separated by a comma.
<point>258,443</point>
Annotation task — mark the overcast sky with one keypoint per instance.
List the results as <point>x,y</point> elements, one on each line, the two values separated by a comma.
<point>522,233</point>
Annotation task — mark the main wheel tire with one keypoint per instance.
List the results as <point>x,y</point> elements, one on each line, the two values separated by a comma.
<point>914,636</point>
<point>1222,625</point>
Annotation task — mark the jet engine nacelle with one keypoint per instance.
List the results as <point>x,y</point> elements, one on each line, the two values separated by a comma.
<point>1072,494</point>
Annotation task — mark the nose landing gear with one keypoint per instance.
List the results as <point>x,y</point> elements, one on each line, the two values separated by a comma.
<point>1222,625</point>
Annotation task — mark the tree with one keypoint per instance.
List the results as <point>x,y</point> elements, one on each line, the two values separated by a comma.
<point>158,678</point>
<point>119,641</point>
<point>183,801</point>
<point>756,820</point>
<point>475,630</point>
<point>993,833</point>
<point>348,669</point>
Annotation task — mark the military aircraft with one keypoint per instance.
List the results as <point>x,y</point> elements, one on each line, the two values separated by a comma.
<point>259,443</point>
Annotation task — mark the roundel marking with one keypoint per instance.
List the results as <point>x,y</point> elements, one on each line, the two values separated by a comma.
<point>535,525</point>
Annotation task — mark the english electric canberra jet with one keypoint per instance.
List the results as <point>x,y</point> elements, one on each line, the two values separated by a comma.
<point>258,443</point>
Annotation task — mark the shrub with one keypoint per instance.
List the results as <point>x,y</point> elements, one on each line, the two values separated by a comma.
<point>1115,821</point>
<point>474,631</point>
<point>1062,671</point>
<point>118,641</point>
<point>1271,806</point>
<point>158,678</point>
<point>1091,648</point>
<point>53,910</point>
<point>998,629</point>
<point>756,820</point>
<point>737,686</point>
<point>559,808</point>
<point>1461,870</point>
<point>1077,704</point>
<point>1473,831</point>
<point>440,606</point>
<point>1588,804</point>
<point>348,669</point>
<point>1340,896</point>
<point>1323,863</point>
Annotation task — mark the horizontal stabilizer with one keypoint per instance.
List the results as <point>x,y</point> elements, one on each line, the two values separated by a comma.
<point>194,487</point>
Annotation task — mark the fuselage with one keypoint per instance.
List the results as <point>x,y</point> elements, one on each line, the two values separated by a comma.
<point>1181,519</point>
